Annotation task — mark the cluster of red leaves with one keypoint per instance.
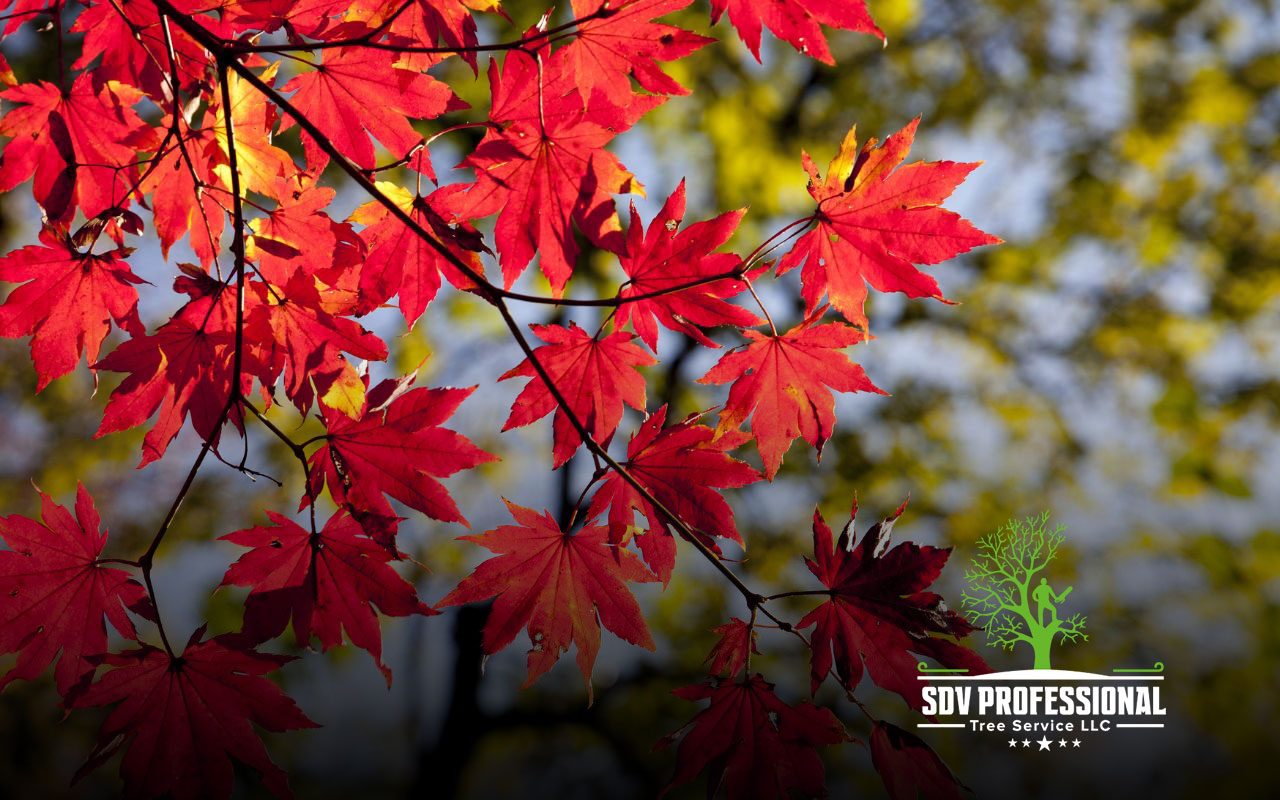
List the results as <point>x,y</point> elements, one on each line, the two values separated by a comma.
<point>173,110</point>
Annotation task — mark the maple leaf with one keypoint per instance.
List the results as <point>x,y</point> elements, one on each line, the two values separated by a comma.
<point>184,189</point>
<point>358,89</point>
<point>183,369</point>
<point>306,340</point>
<point>298,237</point>
<point>448,22</point>
<point>134,47</point>
<point>546,169</point>
<point>595,376</point>
<point>797,22</point>
<point>660,260</point>
<point>400,262</point>
<point>559,587</point>
<point>395,447</point>
<point>879,612</point>
<point>909,767</point>
<point>624,42</point>
<point>324,583</point>
<point>752,744</point>
<point>782,382</point>
<point>20,11</point>
<point>262,165</point>
<point>79,145</point>
<point>313,18</point>
<point>67,301</point>
<point>57,593</point>
<point>182,718</point>
<point>681,466</point>
<point>730,655</point>
<point>875,221</point>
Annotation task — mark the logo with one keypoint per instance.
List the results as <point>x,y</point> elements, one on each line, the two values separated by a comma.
<point>1022,612</point>
<point>1005,597</point>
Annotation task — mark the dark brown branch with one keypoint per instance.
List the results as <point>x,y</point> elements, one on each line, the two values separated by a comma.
<point>366,40</point>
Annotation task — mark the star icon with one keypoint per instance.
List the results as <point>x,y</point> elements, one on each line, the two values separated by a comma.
<point>1013,742</point>
<point>1062,743</point>
<point>1044,742</point>
<point>1075,742</point>
<point>1026,742</point>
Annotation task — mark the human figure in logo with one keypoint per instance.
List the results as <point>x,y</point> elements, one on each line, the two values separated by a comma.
<point>1045,599</point>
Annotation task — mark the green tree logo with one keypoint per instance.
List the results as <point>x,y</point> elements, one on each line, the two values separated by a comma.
<point>1007,599</point>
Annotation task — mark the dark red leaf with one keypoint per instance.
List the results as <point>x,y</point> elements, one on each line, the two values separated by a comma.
<point>181,719</point>
<point>54,594</point>
<point>879,612</point>
<point>909,767</point>
<point>752,745</point>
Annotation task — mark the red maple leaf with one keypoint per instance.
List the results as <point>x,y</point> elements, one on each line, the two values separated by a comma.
<point>186,193</point>
<point>730,655</point>
<point>879,612</point>
<point>400,262</point>
<point>783,383</point>
<point>313,18</point>
<point>20,11</point>
<point>297,335</point>
<point>876,220</point>
<point>324,583</point>
<point>182,718</point>
<point>183,369</point>
<point>57,593</point>
<point>797,22</point>
<point>69,303</point>
<point>426,22</point>
<point>133,45</point>
<point>395,447</point>
<point>682,467</point>
<point>545,168</point>
<point>80,145</point>
<point>298,237</point>
<point>909,767</point>
<point>753,745</point>
<point>559,587</point>
<point>595,375</point>
<point>627,42</point>
<point>359,89</point>
<point>662,259</point>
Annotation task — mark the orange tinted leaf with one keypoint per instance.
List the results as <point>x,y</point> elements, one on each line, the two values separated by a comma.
<point>784,384</point>
<point>355,90</point>
<point>875,221</point>
<point>76,145</point>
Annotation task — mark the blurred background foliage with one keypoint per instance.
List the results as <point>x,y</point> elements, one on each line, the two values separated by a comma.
<point>1116,361</point>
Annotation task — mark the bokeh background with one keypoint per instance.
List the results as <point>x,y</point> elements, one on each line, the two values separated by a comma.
<point>1116,362</point>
